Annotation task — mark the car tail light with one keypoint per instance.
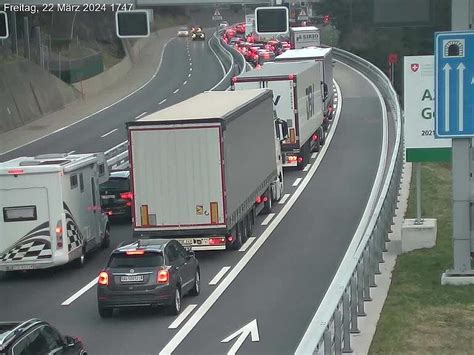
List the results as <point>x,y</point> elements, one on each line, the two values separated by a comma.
<point>258,199</point>
<point>265,199</point>
<point>109,213</point>
<point>128,204</point>
<point>314,137</point>
<point>103,278</point>
<point>126,196</point>
<point>135,252</point>
<point>59,234</point>
<point>163,277</point>
<point>16,171</point>
<point>216,241</point>
<point>234,79</point>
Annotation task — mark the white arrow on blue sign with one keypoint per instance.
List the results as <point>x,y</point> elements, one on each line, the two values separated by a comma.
<point>454,84</point>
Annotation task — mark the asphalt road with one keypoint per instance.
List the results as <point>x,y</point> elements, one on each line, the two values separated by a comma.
<point>285,280</point>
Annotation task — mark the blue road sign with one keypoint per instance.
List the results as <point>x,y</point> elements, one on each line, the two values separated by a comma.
<point>454,84</point>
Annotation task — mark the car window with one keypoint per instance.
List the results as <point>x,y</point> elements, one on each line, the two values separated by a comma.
<point>181,251</point>
<point>33,343</point>
<point>132,261</point>
<point>52,338</point>
<point>22,348</point>
<point>117,184</point>
<point>172,253</point>
<point>180,258</point>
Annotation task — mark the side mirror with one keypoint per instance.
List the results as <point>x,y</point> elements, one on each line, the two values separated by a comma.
<point>70,341</point>
<point>283,129</point>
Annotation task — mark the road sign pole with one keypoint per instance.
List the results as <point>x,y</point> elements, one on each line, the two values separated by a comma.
<point>418,219</point>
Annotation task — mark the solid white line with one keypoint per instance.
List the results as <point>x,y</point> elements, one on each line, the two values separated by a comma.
<point>141,115</point>
<point>219,275</point>
<point>102,109</point>
<point>71,152</point>
<point>162,101</point>
<point>182,316</point>
<point>174,92</point>
<point>185,82</point>
<point>247,244</point>
<point>268,219</point>
<point>283,199</point>
<point>80,292</point>
<point>110,132</point>
<point>297,182</point>
<point>214,296</point>
<point>219,59</point>
<point>314,155</point>
<point>306,168</point>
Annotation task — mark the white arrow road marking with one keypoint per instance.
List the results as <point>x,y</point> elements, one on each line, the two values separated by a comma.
<point>461,68</point>
<point>141,115</point>
<point>80,292</point>
<point>297,182</point>
<point>447,69</point>
<point>283,199</point>
<point>243,333</point>
<point>219,275</point>
<point>247,244</point>
<point>106,134</point>
<point>268,219</point>
<point>182,316</point>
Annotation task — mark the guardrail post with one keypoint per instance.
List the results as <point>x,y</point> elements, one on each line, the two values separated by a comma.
<point>346,322</point>
<point>366,282</point>
<point>354,304</point>
<point>378,249</point>
<point>327,342</point>
<point>360,290</point>
<point>337,332</point>
<point>373,260</point>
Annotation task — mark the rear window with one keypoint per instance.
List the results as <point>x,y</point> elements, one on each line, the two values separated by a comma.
<point>19,213</point>
<point>134,261</point>
<point>118,184</point>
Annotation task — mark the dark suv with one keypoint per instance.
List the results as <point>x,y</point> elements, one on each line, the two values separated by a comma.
<point>34,337</point>
<point>115,195</point>
<point>149,272</point>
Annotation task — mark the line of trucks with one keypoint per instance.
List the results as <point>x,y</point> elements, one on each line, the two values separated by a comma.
<point>200,170</point>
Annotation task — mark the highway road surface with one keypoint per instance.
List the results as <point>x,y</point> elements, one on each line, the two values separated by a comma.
<point>273,284</point>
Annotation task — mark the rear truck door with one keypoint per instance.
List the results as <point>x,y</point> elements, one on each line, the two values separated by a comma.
<point>25,227</point>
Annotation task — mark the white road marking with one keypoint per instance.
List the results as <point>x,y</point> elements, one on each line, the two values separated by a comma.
<point>190,69</point>
<point>162,101</point>
<point>242,334</point>
<point>80,292</point>
<point>189,75</point>
<point>297,182</point>
<point>185,82</point>
<point>268,219</point>
<point>182,316</point>
<point>306,168</point>
<point>219,275</point>
<point>141,115</point>
<point>314,155</point>
<point>106,134</point>
<point>71,152</point>
<point>247,244</point>
<point>174,92</point>
<point>283,199</point>
<point>99,111</point>
<point>214,296</point>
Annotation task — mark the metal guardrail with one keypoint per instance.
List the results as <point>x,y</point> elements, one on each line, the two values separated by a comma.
<point>337,315</point>
<point>117,157</point>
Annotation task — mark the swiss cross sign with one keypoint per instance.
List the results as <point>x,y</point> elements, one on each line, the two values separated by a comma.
<point>393,58</point>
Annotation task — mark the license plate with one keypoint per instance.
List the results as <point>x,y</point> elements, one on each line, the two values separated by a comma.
<point>186,241</point>
<point>135,278</point>
<point>107,196</point>
<point>22,267</point>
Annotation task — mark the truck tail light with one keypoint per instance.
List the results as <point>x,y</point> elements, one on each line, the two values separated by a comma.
<point>314,137</point>
<point>103,278</point>
<point>258,199</point>
<point>216,241</point>
<point>59,235</point>
<point>230,238</point>
<point>163,277</point>
<point>300,159</point>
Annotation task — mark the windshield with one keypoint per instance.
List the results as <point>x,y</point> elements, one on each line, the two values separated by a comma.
<point>116,184</point>
<point>123,260</point>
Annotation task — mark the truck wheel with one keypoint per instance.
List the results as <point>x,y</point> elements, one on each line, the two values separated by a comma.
<point>317,145</point>
<point>249,225</point>
<point>322,137</point>
<point>267,207</point>
<point>106,240</point>
<point>238,238</point>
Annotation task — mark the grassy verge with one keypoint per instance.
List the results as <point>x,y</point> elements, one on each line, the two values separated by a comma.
<point>420,316</point>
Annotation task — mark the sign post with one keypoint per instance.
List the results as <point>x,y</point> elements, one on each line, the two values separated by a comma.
<point>454,87</point>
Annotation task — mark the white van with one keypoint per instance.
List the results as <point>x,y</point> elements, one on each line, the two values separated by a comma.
<point>51,211</point>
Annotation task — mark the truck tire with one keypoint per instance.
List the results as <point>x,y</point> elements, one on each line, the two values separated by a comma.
<point>249,225</point>
<point>106,240</point>
<point>238,238</point>
<point>267,205</point>
<point>322,137</point>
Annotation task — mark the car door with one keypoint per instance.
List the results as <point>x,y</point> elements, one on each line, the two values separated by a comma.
<point>187,266</point>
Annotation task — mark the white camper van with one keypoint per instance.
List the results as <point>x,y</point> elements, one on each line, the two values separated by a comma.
<point>51,211</point>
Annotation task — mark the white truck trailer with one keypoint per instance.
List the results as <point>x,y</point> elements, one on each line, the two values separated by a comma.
<point>302,37</point>
<point>201,170</point>
<point>297,99</point>
<point>323,55</point>
<point>51,211</point>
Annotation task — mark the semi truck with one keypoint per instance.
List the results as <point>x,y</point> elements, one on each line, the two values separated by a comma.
<point>323,55</point>
<point>302,37</point>
<point>203,169</point>
<point>297,99</point>
<point>51,210</point>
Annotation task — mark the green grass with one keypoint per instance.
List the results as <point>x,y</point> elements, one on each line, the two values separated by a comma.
<point>420,316</point>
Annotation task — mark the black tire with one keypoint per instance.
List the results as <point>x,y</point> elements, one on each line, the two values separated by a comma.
<point>238,238</point>
<point>175,307</point>
<point>267,205</point>
<point>317,144</point>
<point>197,284</point>
<point>249,225</point>
<point>105,312</point>
<point>322,137</point>
<point>245,234</point>
<point>106,240</point>
<point>305,153</point>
